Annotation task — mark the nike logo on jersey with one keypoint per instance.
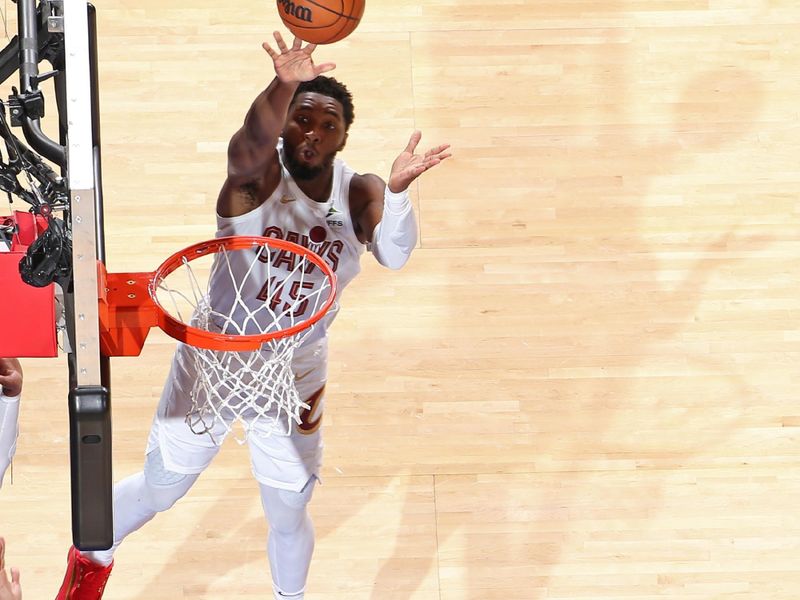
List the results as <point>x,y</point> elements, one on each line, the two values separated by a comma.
<point>287,199</point>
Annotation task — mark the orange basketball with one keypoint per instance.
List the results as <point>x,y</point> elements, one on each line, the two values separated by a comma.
<point>321,21</point>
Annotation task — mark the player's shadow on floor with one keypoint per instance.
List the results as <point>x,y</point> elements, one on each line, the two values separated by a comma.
<point>663,313</point>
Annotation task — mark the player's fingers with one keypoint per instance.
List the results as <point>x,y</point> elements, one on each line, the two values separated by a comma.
<point>428,163</point>
<point>324,68</point>
<point>2,554</point>
<point>15,576</point>
<point>413,141</point>
<point>440,149</point>
<point>279,40</point>
<point>269,50</point>
<point>444,155</point>
<point>297,43</point>
<point>437,150</point>
<point>419,168</point>
<point>309,48</point>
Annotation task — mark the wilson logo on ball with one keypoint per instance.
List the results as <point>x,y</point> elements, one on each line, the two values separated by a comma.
<point>320,21</point>
<point>301,13</point>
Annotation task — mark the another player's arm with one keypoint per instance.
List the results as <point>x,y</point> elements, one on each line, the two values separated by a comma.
<point>10,390</point>
<point>253,167</point>
<point>383,215</point>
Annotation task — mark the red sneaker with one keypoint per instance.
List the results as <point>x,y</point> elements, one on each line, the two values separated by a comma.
<point>84,579</point>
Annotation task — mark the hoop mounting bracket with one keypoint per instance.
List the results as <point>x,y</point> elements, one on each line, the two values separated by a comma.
<point>126,312</point>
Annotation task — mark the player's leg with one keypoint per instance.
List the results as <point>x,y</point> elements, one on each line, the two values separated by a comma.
<point>287,468</point>
<point>137,499</point>
<point>287,476</point>
<point>290,544</point>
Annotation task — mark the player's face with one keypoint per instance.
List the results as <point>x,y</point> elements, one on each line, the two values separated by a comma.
<point>314,132</point>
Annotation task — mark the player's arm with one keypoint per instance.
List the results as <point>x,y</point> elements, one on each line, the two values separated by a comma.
<point>386,217</point>
<point>253,168</point>
<point>10,390</point>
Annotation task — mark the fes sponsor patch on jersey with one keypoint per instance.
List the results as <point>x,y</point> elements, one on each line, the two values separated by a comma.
<point>334,217</point>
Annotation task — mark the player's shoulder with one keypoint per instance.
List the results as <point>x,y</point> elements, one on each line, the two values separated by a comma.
<point>366,187</point>
<point>366,197</point>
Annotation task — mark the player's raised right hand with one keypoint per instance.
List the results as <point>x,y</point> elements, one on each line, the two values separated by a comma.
<point>293,65</point>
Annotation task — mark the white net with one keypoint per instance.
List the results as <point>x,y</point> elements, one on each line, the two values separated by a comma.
<point>245,292</point>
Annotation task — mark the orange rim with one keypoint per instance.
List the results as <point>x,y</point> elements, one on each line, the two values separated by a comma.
<point>225,341</point>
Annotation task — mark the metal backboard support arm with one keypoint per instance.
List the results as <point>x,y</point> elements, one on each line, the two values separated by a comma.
<point>89,398</point>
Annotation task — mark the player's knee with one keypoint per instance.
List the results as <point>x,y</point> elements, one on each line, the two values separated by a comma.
<point>298,500</point>
<point>286,509</point>
<point>164,487</point>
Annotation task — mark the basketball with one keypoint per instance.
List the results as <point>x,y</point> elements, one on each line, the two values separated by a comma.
<point>321,21</point>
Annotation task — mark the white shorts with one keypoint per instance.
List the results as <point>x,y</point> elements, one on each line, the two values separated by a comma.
<point>281,461</point>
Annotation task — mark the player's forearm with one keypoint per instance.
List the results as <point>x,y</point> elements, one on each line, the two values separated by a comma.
<point>265,119</point>
<point>9,418</point>
<point>255,142</point>
<point>395,237</point>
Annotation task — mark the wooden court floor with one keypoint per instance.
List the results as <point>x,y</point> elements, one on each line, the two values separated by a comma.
<point>583,386</point>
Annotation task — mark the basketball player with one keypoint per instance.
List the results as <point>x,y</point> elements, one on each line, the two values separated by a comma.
<point>284,181</point>
<point>9,589</point>
<point>10,390</point>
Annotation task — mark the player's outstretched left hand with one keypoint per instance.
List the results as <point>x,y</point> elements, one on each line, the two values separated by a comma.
<point>408,166</point>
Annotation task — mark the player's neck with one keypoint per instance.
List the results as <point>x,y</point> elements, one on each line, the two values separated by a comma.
<point>319,187</point>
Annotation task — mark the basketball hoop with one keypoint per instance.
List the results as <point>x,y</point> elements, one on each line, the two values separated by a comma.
<point>241,306</point>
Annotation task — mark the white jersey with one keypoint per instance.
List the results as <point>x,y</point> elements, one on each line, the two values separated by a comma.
<point>326,228</point>
<point>323,227</point>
